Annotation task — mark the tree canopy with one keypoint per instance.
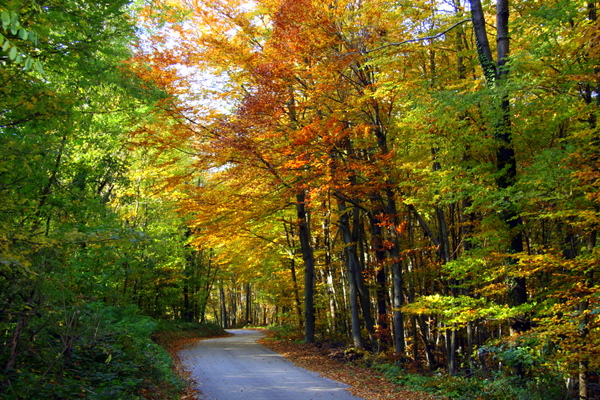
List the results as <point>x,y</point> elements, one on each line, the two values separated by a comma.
<point>418,179</point>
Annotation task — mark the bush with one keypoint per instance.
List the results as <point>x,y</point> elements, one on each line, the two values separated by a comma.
<point>286,332</point>
<point>95,352</point>
<point>544,387</point>
<point>171,332</point>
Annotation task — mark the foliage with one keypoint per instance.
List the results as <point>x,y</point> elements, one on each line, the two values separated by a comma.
<point>207,163</point>
<point>479,387</point>
<point>169,332</point>
<point>286,332</point>
<point>452,194</point>
<point>84,243</point>
<point>95,351</point>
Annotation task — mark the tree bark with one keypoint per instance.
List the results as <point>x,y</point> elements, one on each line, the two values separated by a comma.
<point>223,309</point>
<point>309,267</point>
<point>483,45</point>
<point>289,233</point>
<point>352,263</point>
<point>248,316</point>
<point>380,279</point>
<point>505,157</point>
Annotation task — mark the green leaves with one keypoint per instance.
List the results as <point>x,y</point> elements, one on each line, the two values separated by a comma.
<point>12,27</point>
<point>12,54</point>
<point>65,239</point>
<point>462,309</point>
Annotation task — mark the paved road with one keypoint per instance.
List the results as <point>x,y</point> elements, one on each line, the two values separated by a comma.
<point>236,368</point>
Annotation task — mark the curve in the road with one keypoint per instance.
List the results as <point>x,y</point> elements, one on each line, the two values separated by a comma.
<point>238,368</point>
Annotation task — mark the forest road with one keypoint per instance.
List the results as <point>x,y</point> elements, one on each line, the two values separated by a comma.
<point>236,368</point>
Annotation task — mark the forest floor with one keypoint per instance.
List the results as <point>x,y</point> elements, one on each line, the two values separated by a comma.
<point>363,381</point>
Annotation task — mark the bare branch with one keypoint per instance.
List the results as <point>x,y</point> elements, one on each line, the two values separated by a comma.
<point>420,39</point>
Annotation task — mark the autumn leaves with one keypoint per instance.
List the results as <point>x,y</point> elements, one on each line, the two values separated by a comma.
<point>407,174</point>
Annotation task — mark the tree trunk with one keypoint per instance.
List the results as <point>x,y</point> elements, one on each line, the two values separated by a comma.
<point>352,263</point>
<point>309,267</point>
<point>248,316</point>
<point>233,311</point>
<point>187,312</point>
<point>399,340</point>
<point>397,277</point>
<point>15,341</point>
<point>429,345</point>
<point>223,309</point>
<point>363,292</point>
<point>483,46</point>
<point>505,157</point>
<point>380,279</point>
<point>289,233</point>
<point>332,295</point>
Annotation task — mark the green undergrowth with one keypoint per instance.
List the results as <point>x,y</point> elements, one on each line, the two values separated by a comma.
<point>286,332</point>
<point>172,332</point>
<point>538,384</point>
<point>93,351</point>
<point>484,387</point>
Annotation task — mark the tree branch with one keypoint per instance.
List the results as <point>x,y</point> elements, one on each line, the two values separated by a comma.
<point>420,39</point>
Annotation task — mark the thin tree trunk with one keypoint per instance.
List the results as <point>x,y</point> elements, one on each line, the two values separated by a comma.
<point>248,317</point>
<point>331,295</point>
<point>398,301</point>
<point>328,274</point>
<point>187,314</point>
<point>429,346</point>
<point>380,279</point>
<point>223,309</point>
<point>363,292</point>
<point>15,341</point>
<point>352,263</point>
<point>233,310</point>
<point>470,344</point>
<point>309,267</point>
<point>397,277</point>
<point>289,233</point>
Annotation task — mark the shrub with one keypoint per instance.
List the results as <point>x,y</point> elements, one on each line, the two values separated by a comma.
<point>96,352</point>
<point>499,387</point>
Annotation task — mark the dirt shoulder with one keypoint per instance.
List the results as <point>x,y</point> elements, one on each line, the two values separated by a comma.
<point>364,382</point>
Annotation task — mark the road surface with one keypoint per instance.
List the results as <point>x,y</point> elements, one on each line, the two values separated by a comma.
<point>236,368</point>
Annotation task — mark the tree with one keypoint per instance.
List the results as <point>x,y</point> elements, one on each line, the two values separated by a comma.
<point>406,155</point>
<point>68,255</point>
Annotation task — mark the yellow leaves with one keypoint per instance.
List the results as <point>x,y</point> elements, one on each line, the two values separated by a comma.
<point>462,309</point>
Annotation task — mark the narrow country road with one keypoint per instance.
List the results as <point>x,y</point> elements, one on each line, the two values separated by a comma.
<point>236,367</point>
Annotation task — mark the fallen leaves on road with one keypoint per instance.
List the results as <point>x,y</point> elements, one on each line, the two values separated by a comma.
<point>364,382</point>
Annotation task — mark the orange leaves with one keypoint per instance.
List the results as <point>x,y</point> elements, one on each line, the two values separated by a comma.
<point>302,28</point>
